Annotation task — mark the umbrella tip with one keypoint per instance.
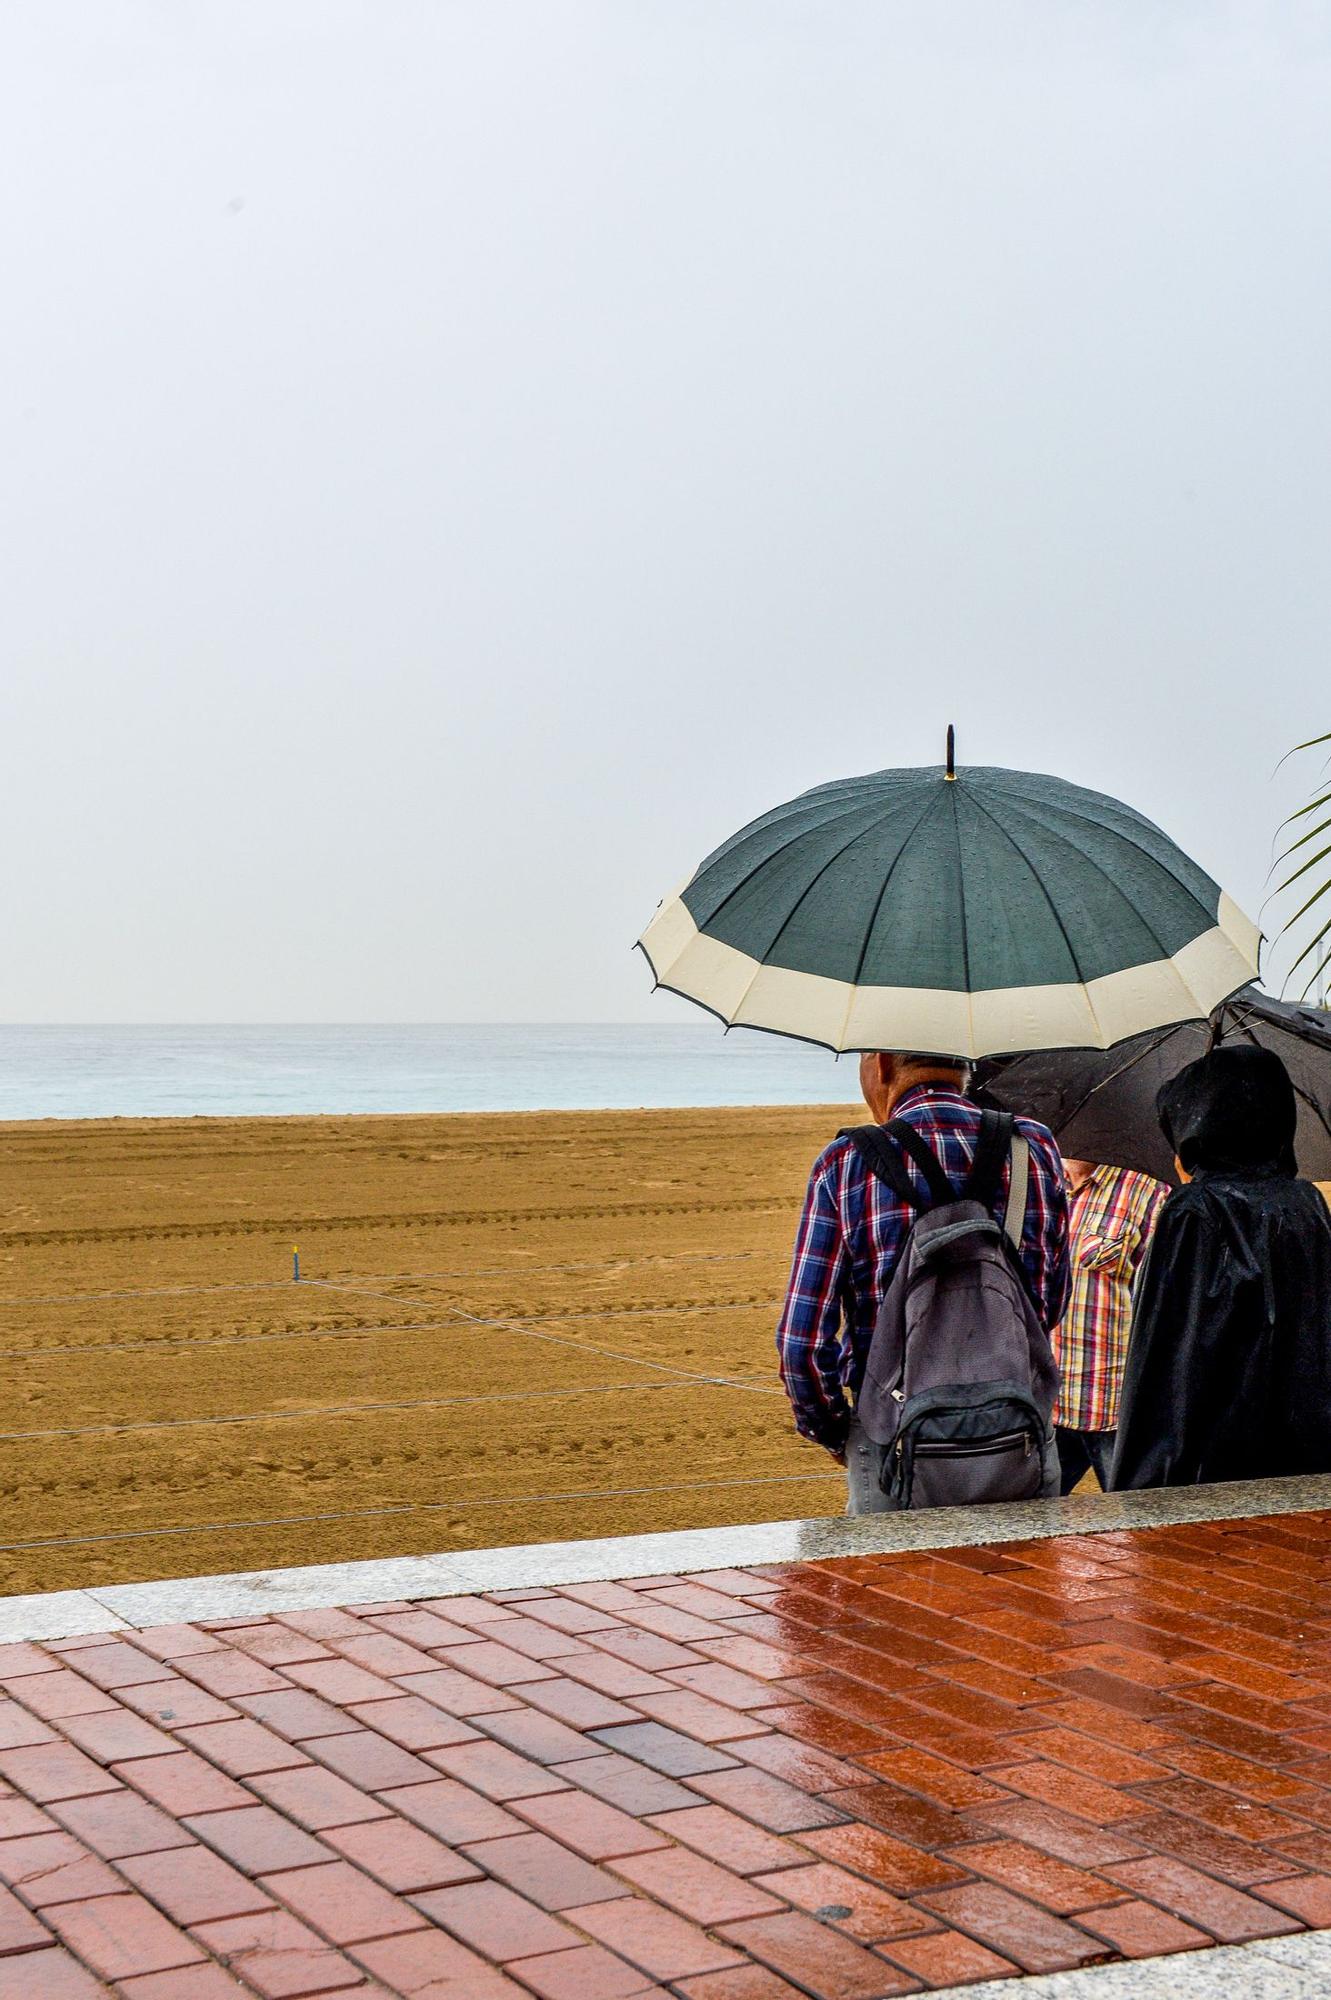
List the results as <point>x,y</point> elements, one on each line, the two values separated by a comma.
<point>951,772</point>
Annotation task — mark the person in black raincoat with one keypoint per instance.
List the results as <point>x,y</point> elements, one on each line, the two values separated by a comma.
<point>1229,1364</point>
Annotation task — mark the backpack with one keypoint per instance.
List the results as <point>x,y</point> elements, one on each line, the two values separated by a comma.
<point>960,1379</point>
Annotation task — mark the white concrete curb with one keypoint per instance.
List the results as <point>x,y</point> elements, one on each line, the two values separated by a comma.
<point>1287,1968</point>
<point>65,1614</point>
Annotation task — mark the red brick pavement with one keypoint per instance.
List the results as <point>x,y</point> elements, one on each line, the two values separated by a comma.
<point>841,1779</point>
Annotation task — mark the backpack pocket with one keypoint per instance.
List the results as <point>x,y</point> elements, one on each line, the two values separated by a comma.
<point>967,1446</point>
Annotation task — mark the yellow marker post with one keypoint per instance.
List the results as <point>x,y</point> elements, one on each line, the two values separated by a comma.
<point>295,1263</point>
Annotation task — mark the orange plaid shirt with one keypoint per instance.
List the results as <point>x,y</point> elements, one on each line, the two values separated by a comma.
<point>1112,1216</point>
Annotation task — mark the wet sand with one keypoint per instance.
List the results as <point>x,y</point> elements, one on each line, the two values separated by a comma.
<point>507,1330</point>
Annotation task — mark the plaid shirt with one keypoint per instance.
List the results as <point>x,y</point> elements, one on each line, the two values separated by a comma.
<point>1113,1214</point>
<point>852,1232</point>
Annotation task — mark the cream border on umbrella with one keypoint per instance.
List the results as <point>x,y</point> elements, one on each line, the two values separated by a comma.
<point>746,993</point>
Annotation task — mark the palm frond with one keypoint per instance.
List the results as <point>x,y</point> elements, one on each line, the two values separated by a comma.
<point>1313,743</point>
<point>1313,805</point>
<point>1323,889</point>
<point>1304,866</point>
<point>1313,833</point>
<point>1314,959</point>
<point>1315,945</point>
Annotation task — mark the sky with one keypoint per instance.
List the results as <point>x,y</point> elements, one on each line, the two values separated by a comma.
<point>463,458</point>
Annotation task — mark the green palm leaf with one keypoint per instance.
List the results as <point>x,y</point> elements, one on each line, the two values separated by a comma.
<point>1311,862</point>
<point>1315,957</point>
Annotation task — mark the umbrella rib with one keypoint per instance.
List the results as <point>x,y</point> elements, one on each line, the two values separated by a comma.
<point>809,886</point>
<point>874,915</point>
<point>873,826</point>
<point>1083,818</point>
<point>808,806</point>
<point>1053,909</point>
<point>965,940</point>
<point>1103,1083</point>
<point>766,858</point>
<point>1166,956</point>
<point>750,1027</point>
<point>1073,806</point>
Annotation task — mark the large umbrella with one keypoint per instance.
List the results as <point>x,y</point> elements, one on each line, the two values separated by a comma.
<point>954,912</point>
<point>1102,1106</point>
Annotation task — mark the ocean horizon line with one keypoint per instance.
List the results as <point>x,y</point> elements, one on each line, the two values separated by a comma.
<point>343,1069</point>
<point>583,1021</point>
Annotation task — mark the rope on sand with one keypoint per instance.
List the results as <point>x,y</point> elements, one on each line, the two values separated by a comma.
<point>421,1507</point>
<point>351,1410</point>
<point>562,1340</point>
<point>455,1315</point>
<point>387,1277</point>
<point>365,1332</point>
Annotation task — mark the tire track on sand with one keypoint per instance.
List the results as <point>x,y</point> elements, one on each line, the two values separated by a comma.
<point>429,1218</point>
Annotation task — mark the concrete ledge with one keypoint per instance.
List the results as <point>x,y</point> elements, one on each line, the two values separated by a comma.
<point>67,1613</point>
<point>186,1600</point>
<point>1291,1968</point>
<point>58,1614</point>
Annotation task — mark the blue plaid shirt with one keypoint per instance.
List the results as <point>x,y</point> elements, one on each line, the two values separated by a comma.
<point>852,1232</point>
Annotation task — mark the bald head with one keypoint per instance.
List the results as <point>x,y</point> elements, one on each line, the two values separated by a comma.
<point>885,1079</point>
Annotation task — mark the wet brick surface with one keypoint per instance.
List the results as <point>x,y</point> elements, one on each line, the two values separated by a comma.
<point>843,1780</point>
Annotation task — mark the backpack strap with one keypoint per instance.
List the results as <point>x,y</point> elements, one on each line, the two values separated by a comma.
<point>997,1139</point>
<point>939,1186</point>
<point>1014,1219</point>
<point>883,1160</point>
<point>991,1150</point>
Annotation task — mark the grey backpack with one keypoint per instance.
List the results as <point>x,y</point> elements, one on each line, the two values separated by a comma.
<point>960,1380</point>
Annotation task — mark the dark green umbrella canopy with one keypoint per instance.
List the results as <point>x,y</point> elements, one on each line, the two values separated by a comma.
<point>964,913</point>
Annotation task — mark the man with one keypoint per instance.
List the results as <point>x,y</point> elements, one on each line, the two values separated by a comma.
<point>853,1229</point>
<point>1112,1216</point>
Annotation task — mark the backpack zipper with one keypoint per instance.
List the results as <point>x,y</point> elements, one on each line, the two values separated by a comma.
<point>979,1448</point>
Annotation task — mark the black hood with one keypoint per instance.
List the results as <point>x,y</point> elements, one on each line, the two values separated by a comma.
<point>1232,1111</point>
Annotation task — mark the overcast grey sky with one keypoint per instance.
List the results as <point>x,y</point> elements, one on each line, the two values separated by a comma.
<point>462,460</point>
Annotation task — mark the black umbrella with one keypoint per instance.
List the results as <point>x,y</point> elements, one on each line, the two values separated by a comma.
<point>1100,1103</point>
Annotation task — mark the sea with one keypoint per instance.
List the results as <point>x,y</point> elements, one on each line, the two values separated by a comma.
<point>243,1072</point>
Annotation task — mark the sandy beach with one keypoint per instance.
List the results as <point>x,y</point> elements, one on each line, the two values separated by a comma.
<point>506,1330</point>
